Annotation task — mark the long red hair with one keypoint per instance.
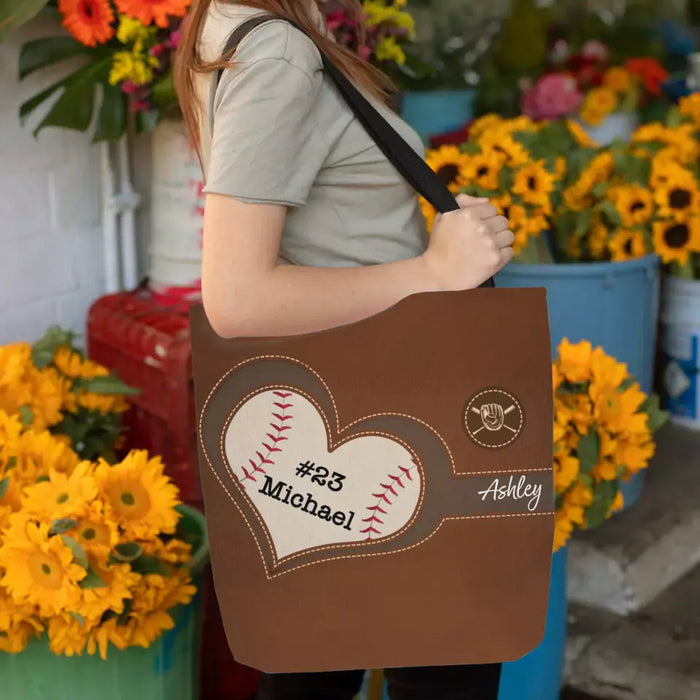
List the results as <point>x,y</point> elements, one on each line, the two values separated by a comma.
<point>188,62</point>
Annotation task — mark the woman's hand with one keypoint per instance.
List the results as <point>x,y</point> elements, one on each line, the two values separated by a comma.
<point>468,246</point>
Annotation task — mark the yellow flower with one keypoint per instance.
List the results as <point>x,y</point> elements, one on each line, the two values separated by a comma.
<point>534,183</point>
<point>138,495</point>
<point>96,533</point>
<point>560,168</point>
<point>104,403</point>
<point>133,31</point>
<point>70,363</point>
<point>690,107</point>
<point>501,141</point>
<point>634,203</point>
<point>627,244</point>
<point>618,503</point>
<point>119,580</point>
<point>635,454</point>
<point>448,162</point>
<point>575,360</point>
<point>172,552</point>
<point>133,66</point>
<point>664,169</point>
<point>679,197</point>
<point>18,624</point>
<point>563,529</point>
<point>62,496</point>
<point>483,124</point>
<point>388,49</point>
<point>566,469</point>
<point>597,105</point>
<point>580,135</point>
<point>617,79</point>
<point>482,169</point>
<point>429,212</point>
<point>39,570</point>
<point>675,240</point>
<point>680,140</point>
<point>67,635</point>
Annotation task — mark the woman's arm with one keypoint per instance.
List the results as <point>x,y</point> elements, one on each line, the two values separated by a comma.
<point>246,293</point>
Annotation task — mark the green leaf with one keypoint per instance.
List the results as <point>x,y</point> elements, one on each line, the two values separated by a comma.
<point>589,451</point>
<point>11,463</point>
<point>26,108</point>
<point>111,121</point>
<point>15,13</point>
<point>583,223</point>
<point>41,479</point>
<point>4,484</point>
<point>78,552</point>
<point>604,495</point>
<point>124,615</point>
<point>599,190</point>
<point>26,415</point>
<point>147,120</point>
<point>126,553</point>
<point>74,108</point>
<point>147,564</point>
<point>504,180</point>
<point>78,617</point>
<point>611,213</point>
<point>109,384</point>
<point>44,52</point>
<point>674,118</point>
<point>92,580</point>
<point>58,527</point>
<point>163,92</point>
<point>657,417</point>
<point>44,349</point>
<point>472,148</point>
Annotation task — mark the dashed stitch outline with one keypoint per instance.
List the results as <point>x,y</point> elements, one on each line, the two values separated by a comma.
<point>503,444</point>
<point>446,518</point>
<point>331,447</point>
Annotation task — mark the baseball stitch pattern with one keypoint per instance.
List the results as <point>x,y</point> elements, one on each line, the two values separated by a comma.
<point>273,440</point>
<point>386,497</point>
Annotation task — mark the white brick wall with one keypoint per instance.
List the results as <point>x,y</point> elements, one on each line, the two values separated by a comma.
<point>50,242</point>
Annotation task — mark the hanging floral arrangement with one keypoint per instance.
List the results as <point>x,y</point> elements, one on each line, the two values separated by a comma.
<point>603,435</point>
<point>91,554</point>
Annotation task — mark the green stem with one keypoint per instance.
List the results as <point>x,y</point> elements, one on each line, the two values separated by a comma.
<point>535,252</point>
<point>686,271</point>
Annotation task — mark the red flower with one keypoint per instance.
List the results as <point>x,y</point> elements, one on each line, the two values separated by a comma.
<point>652,73</point>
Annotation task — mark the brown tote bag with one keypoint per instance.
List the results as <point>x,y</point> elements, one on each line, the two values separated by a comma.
<point>380,494</point>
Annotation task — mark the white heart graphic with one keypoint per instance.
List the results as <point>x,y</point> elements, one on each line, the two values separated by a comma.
<point>310,494</point>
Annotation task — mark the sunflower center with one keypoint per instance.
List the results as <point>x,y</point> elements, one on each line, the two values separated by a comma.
<point>679,198</point>
<point>483,170</point>
<point>87,9</point>
<point>45,570</point>
<point>130,499</point>
<point>636,206</point>
<point>532,183</point>
<point>677,236</point>
<point>448,173</point>
<point>89,533</point>
<point>628,246</point>
<point>62,498</point>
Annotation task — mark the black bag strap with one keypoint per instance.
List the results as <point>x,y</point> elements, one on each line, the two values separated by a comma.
<point>409,164</point>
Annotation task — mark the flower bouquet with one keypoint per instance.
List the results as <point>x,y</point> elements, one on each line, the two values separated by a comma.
<point>50,385</point>
<point>90,553</point>
<point>603,435</point>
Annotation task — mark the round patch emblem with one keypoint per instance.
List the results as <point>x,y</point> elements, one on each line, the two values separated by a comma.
<point>493,418</point>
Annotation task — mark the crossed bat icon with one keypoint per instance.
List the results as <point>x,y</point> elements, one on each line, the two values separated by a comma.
<point>493,417</point>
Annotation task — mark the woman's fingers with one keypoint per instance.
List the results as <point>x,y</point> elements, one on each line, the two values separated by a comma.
<point>504,239</point>
<point>466,200</point>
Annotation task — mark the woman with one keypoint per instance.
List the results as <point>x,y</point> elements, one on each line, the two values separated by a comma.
<point>308,226</point>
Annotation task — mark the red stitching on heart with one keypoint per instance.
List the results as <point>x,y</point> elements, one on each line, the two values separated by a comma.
<point>270,445</point>
<point>394,483</point>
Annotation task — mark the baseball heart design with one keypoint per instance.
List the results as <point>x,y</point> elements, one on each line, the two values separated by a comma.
<point>313,494</point>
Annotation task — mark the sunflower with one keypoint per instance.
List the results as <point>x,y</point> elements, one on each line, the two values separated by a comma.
<point>483,124</point>
<point>18,624</point>
<point>67,634</point>
<point>39,570</point>
<point>153,11</point>
<point>63,495</point>
<point>531,225</point>
<point>597,105</point>
<point>597,239</point>
<point>103,403</point>
<point>679,197</point>
<point>690,107</point>
<point>627,244</point>
<point>429,212</point>
<point>483,169</point>
<point>119,579</point>
<point>503,204</point>
<point>172,552</point>
<point>580,135</point>
<point>72,364</point>
<point>675,240</point>
<point>566,470</point>
<point>634,203</point>
<point>501,141</point>
<point>617,79</point>
<point>680,140</point>
<point>635,454</point>
<point>91,22</point>
<point>575,360</point>
<point>534,184</point>
<point>448,162</point>
<point>138,495</point>
<point>617,409</point>
<point>97,534</point>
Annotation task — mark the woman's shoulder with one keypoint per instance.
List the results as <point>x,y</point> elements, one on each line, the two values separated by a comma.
<point>273,40</point>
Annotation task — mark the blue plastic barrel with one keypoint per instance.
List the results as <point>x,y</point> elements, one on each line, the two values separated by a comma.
<point>540,674</point>
<point>611,304</point>
<point>435,112</point>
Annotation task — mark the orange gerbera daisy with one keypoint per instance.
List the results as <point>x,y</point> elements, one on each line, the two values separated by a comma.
<point>153,11</point>
<point>91,22</point>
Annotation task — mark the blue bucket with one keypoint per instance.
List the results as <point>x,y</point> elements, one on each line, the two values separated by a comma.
<point>540,674</point>
<point>436,112</point>
<point>611,304</point>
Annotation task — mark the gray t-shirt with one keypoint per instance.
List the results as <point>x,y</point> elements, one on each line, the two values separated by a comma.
<point>277,131</point>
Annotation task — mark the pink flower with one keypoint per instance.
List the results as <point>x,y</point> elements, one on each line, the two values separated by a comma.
<point>595,50</point>
<point>129,88</point>
<point>175,39</point>
<point>554,95</point>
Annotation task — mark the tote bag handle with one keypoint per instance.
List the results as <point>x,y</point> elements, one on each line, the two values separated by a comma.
<point>409,164</point>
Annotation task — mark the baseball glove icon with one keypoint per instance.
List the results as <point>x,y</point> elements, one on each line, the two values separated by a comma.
<point>493,416</point>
